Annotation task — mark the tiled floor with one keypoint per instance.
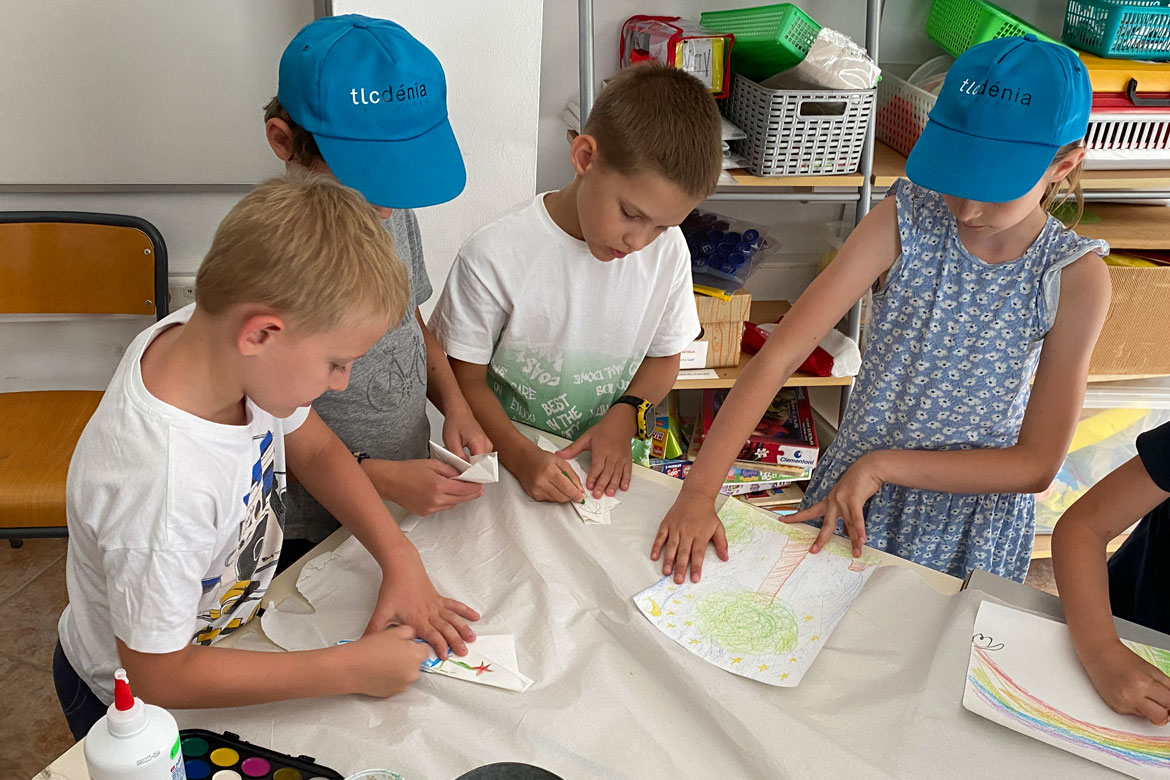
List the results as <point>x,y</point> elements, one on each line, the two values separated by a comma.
<point>32,595</point>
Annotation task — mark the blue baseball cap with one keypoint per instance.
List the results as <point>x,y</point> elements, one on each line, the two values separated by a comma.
<point>375,100</point>
<point>1006,107</point>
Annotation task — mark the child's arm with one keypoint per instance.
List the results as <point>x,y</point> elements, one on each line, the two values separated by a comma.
<point>426,486</point>
<point>460,428</point>
<point>331,475</point>
<point>380,664</point>
<point>1029,465</point>
<point>544,475</point>
<point>609,438</point>
<point>691,523</point>
<point>1127,683</point>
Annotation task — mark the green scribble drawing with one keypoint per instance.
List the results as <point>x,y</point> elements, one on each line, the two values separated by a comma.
<point>741,523</point>
<point>756,621</point>
<point>737,525</point>
<point>845,550</point>
<point>747,622</point>
<point>1154,655</point>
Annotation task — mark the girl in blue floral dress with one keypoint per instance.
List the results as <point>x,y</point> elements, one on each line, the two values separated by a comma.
<point>986,310</point>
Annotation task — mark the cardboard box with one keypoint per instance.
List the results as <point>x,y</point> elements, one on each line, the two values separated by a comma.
<point>717,310</point>
<point>1133,341</point>
<point>722,321</point>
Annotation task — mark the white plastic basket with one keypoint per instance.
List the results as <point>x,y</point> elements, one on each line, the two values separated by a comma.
<point>799,132</point>
<point>1128,140</point>
<point>902,109</point>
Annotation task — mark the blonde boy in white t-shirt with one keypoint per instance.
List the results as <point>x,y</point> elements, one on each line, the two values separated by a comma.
<point>174,493</point>
<point>569,312</point>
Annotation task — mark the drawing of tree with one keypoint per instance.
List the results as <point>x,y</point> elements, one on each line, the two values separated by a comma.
<point>756,621</point>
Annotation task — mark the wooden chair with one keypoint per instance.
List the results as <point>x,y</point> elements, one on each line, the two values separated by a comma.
<point>67,263</point>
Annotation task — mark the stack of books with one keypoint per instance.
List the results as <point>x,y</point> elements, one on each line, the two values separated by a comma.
<point>780,452</point>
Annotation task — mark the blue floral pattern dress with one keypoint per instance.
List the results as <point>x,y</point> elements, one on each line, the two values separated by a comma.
<point>951,348</point>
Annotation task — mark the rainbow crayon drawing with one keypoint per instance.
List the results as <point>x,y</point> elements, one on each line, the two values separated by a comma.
<point>1023,675</point>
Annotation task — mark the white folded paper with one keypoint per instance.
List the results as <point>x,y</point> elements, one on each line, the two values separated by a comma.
<point>490,660</point>
<point>591,510</point>
<point>483,469</point>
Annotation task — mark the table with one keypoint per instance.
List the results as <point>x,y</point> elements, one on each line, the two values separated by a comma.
<point>878,702</point>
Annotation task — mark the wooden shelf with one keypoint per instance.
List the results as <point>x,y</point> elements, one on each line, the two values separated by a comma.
<point>727,377</point>
<point>761,311</point>
<point>889,166</point>
<point>1127,226</point>
<point>1151,179</point>
<point>745,179</point>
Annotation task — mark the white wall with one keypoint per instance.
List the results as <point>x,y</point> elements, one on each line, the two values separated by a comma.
<point>490,50</point>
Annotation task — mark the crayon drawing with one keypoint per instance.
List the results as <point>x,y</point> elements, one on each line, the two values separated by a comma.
<point>767,612</point>
<point>1024,675</point>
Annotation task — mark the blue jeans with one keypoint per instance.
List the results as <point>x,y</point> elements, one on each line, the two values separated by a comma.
<point>81,706</point>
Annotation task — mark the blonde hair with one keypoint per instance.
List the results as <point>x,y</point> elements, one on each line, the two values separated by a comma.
<point>310,248</point>
<point>302,143</point>
<point>1059,193</point>
<point>655,118</point>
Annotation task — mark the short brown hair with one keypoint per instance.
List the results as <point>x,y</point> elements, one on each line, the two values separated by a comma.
<point>659,119</point>
<point>309,247</point>
<point>304,145</point>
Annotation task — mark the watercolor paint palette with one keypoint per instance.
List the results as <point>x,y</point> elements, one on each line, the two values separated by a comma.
<point>210,756</point>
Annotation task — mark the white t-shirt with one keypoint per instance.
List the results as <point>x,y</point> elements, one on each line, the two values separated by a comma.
<point>561,332</point>
<point>175,523</point>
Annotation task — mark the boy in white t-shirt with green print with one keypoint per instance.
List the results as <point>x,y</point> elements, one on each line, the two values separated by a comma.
<point>569,312</point>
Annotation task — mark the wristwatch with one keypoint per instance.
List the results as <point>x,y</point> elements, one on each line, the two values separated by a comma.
<point>643,413</point>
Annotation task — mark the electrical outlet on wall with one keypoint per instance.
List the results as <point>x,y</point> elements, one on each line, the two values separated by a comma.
<point>180,291</point>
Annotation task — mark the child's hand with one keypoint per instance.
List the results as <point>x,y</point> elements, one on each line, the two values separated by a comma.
<point>423,487</point>
<point>845,501</point>
<point>684,534</point>
<point>1129,684</point>
<point>407,598</point>
<point>461,429</point>
<point>612,460</point>
<point>546,477</point>
<point>385,663</point>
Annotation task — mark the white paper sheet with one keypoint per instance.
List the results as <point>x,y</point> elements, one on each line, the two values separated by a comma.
<point>482,469</point>
<point>341,589</point>
<point>766,613</point>
<point>617,701</point>
<point>1024,674</point>
<point>591,510</point>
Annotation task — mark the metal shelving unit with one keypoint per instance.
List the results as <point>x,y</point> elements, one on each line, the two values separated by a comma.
<point>859,193</point>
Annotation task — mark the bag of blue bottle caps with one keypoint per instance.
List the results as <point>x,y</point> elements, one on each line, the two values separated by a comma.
<point>724,251</point>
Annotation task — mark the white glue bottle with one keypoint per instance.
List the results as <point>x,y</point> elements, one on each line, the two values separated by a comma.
<point>134,741</point>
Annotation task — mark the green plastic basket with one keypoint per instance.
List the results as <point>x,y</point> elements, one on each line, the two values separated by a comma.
<point>957,25</point>
<point>768,38</point>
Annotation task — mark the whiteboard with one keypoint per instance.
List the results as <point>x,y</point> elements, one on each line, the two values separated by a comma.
<point>140,91</point>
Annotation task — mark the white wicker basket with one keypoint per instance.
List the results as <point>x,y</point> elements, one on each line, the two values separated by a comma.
<point>799,132</point>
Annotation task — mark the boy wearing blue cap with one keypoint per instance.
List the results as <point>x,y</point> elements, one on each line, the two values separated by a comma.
<point>362,99</point>
<point>174,496</point>
<point>569,312</point>
<point>984,319</point>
